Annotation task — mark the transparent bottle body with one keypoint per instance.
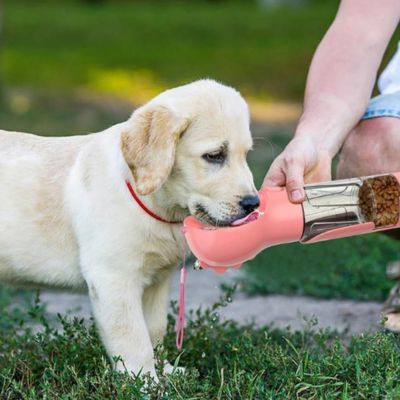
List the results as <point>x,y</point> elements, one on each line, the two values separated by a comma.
<point>348,202</point>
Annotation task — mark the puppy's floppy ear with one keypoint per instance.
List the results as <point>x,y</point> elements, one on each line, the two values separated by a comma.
<point>149,145</point>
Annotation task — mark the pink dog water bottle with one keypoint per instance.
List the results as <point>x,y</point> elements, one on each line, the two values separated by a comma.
<point>331,210</point>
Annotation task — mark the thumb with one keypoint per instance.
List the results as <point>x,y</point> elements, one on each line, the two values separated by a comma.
<point>295,183</point>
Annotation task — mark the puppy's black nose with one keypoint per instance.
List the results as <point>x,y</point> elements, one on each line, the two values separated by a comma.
<point>249,203</point>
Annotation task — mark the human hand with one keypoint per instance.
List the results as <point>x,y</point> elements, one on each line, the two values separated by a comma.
<point>302,161</point>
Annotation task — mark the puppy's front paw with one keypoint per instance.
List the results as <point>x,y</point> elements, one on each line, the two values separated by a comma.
<point>170,369</point>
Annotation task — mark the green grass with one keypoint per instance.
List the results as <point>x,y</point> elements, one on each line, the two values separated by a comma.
<point>222,361</point>
<point>133,49</point>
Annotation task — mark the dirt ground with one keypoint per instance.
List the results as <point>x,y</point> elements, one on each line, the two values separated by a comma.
<point>202,289</point>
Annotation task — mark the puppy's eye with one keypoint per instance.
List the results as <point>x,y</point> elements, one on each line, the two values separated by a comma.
<point>215,158</point>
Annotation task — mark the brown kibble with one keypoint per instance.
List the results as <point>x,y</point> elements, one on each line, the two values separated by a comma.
<point>379,200</point>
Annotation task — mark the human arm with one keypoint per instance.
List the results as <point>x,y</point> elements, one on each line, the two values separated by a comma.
<point>339,84</point>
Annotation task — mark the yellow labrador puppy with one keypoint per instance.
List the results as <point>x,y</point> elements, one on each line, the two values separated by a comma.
<point>68,219</point>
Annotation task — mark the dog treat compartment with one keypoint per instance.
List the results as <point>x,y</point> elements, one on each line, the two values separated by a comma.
<point>344,203</point>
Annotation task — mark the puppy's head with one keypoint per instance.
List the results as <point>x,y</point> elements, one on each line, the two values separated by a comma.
<point>193,142</point>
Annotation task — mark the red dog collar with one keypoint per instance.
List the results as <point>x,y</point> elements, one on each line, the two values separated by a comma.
<point>142,205</point>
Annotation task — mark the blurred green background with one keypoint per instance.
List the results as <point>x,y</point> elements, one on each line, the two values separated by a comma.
<point>72,67</point>
<point>135,49</point>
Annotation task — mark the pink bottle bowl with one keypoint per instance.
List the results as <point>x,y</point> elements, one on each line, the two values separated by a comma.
<point>279,222</point>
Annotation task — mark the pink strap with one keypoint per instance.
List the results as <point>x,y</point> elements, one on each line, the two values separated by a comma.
<point>180,321</point>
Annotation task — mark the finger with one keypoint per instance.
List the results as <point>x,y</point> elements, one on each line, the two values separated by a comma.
<point>295,183</point>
